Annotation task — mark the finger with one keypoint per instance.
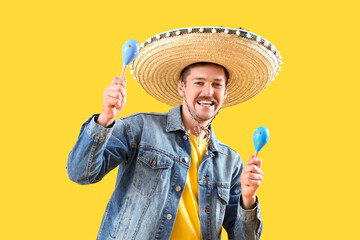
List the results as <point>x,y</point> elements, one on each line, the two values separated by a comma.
<point>252,168</point>
<point>259,162</point>
<point>112,102</point>
<point>254,184</point>
<point>115,88</point>
<point>116,103</point>
<point>123,82</point>
<point>254,176</point>
<point>114,94</point>
<point>123,94</point>
<point>119,104</point>
<point>116,81</point>
<point>251,177</point>
<point>251,159</point>
<point>256,161</point>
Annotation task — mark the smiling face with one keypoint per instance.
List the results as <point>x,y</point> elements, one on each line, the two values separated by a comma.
<point>204,91</point>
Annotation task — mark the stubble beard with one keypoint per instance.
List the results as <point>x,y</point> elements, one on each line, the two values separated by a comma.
<point>196,114</point>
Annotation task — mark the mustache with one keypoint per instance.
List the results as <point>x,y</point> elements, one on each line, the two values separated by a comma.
<point>207,98</point>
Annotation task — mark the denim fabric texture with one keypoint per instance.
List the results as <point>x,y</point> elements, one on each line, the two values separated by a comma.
<point>153,152</point>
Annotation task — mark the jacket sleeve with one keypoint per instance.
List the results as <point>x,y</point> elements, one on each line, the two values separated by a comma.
<point>239,223</point>
<point>98,150</point>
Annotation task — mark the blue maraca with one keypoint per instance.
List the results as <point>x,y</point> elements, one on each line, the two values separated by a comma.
<point>130,51</point>
<point>261,137</point>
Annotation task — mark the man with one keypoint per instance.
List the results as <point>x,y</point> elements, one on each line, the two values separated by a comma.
<point>175,179</point>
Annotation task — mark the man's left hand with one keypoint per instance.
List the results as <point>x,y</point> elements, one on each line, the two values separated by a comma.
<point>251,177</point>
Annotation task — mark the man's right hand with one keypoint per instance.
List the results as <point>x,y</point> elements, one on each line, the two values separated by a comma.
<point>114,99</point>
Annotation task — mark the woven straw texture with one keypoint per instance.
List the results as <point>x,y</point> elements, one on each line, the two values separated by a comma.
<point>251,66</point>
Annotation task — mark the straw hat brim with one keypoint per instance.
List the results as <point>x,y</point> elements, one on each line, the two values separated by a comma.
<point>251,64</point>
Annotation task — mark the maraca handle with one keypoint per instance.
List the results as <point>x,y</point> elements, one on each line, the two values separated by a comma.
<point>256,154</point>
<point>123,71</point>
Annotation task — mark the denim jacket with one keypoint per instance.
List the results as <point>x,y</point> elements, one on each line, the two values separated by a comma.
<point>153,154</point>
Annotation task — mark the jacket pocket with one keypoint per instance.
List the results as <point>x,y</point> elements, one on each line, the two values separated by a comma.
<point>152,171</point>
<point>223,194</point>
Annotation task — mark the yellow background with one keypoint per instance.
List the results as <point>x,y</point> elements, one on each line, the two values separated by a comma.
<point>58,56</point>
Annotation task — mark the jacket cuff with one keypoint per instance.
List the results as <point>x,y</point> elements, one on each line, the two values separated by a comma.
<point>96,131</point>
<point>249,214</point>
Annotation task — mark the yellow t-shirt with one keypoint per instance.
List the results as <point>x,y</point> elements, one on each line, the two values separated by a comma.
<point>187,222</point>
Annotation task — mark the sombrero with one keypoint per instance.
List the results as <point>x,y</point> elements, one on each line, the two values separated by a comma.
<point>251,60</point>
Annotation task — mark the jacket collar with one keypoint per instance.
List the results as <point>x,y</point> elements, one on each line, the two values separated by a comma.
<point>174,120</point>
<point>174,123</point>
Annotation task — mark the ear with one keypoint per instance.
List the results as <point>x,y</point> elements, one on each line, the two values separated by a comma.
<point>181,88</point>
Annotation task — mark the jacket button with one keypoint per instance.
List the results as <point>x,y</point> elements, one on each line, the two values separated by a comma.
<point>178,188</point>
<point>169,217</point>
<point>185,159</point>
<point>185,137</point>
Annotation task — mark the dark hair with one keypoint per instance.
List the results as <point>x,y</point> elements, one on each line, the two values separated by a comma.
<point>186,71</point>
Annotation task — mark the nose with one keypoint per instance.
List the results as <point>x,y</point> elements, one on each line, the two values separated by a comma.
<point>208,89</point>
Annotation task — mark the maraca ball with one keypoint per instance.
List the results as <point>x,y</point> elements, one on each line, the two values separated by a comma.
<point>261,137</point>
<point>130,51</point>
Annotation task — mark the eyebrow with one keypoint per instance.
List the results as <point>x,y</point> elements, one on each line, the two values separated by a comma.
<point>200,78</point>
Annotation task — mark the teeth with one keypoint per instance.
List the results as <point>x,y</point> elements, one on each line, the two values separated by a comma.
<point>205,102</point>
